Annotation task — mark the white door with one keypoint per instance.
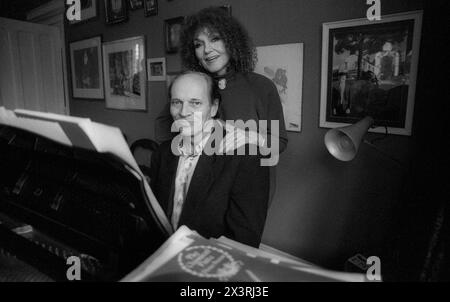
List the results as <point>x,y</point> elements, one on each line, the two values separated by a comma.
<point>31,75</point>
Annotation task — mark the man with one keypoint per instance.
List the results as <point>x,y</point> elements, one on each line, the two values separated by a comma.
<point>215,194</point>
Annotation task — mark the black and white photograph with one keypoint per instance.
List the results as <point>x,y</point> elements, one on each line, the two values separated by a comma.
<point>125,76</point>
<point>87,71</point>
<point>136,4</point>
<point>172,30</point>
<point>116,11</point>
<point>156,68</point>
<point>371,71</point>
<point>259,141</point>
<point>150,7</point>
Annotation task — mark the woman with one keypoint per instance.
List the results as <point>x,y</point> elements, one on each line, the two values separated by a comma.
<point>215,43</point>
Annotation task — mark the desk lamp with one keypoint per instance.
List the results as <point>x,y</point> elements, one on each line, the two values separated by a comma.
<point>343,143</point>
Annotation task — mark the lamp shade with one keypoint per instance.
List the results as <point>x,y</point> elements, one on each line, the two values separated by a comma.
<point>343,143</point>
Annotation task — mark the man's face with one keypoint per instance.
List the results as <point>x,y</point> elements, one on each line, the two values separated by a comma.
<point>190,104</point>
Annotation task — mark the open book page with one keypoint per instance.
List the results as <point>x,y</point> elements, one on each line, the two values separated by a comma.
<point>189,257</point>
<point>280,257</point>
<point>45,128</point>
<point>83,133</point>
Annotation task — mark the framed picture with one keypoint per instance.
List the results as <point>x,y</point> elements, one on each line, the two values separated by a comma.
<point>89,10</point>
<point>156,69</point>
<point>124,69</point>
<point>283,64</point>
<point>136,4</point>
<point>150,7</point>
<point>115,11</point>
<point>370,68</point>
<point>86,65</point>
<point>172,29</point>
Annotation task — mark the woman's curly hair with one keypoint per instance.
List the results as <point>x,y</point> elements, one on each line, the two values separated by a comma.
<point>237,42</point>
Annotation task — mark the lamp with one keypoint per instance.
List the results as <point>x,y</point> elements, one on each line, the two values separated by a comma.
<point>343,143</point>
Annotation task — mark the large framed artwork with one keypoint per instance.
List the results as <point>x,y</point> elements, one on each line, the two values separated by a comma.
<point>283,64</point>
<point>86,65</point>
<point>89,10</point>
<point>125,74</point>
<point>369,68</point>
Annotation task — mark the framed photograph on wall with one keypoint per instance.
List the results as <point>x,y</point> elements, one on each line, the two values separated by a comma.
<point>156,69</point>
<point>115,11</point>
<point>125,76</point>
<point>172,31</point>
<point>150,7</point>
<point>283,64</point>
<point>89,10</point>
<point>136,4</point>
<point>86,66</point>
<point>369,68</point>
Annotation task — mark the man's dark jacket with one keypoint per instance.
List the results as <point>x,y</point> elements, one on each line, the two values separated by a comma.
<point>228,194</point>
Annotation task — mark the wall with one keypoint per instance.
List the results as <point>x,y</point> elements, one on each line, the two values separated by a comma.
<point>324,210</point>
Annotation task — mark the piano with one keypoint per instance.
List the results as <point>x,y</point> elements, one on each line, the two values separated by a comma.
<point>58,201</point>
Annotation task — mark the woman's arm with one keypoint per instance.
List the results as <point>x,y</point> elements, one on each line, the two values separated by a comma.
<point>247,210</point>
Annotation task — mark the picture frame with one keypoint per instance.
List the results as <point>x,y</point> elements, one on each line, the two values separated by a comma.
<point>283,65</point>
<point>369,68</point>
<point>86,68</point>
<point>136,4</point>
<point>89,10</point>
<point>172,31</point>
<point>116,11</point>
<point>156,69</point>
<point>150,7</point>
<point>125,74</point>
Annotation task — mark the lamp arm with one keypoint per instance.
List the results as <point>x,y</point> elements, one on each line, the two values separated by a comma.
<point>399,163</point>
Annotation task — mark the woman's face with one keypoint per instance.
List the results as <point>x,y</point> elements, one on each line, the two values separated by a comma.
<point>211,52</point>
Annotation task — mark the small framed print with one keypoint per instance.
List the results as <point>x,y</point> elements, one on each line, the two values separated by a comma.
<point>124,68</point>
<point>87,73</point>
<point>115,11</point>
<point>150,7</point>
<point>156,69</point>
<point>172,28</point>
<point>136,4</point>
